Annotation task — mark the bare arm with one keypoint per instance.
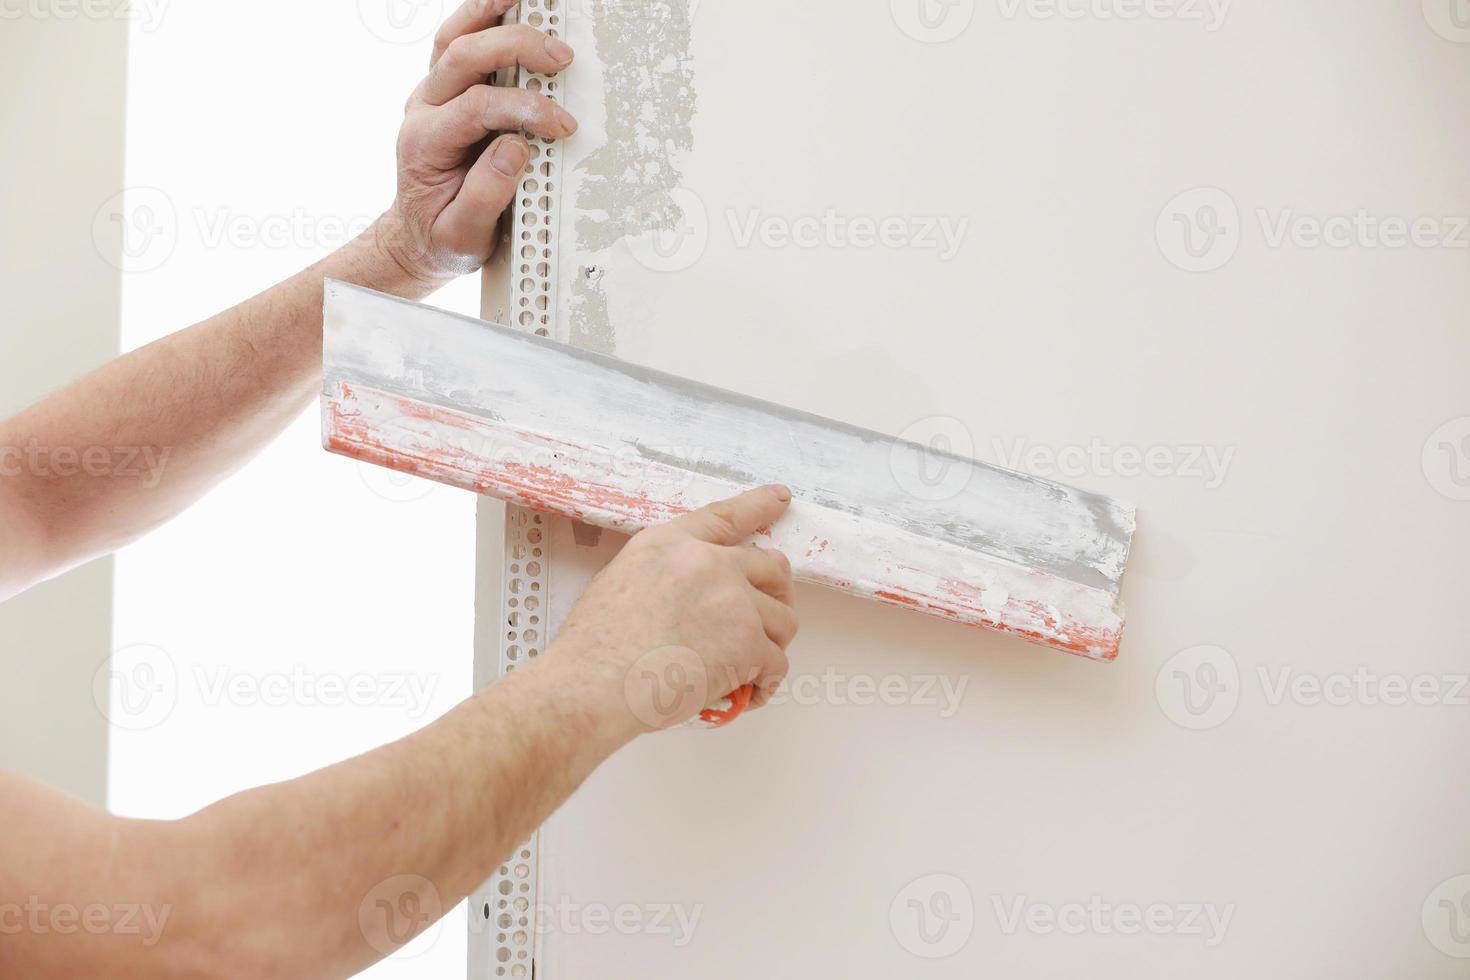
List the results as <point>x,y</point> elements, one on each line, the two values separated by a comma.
<point>124,450</point>
<point>326,874</point>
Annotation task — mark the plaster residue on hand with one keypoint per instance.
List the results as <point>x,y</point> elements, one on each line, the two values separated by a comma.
<point>649,82</point>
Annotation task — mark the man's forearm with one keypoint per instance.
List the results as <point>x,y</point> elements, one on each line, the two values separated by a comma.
<point>312,877</point>
<point>125,449</point>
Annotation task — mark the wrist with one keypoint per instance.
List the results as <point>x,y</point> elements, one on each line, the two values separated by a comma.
<point>588,702</point>
<point>383,258</point>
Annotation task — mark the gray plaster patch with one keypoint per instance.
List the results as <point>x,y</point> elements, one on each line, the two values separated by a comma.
<point>649,87</point>
<point>627,183</point>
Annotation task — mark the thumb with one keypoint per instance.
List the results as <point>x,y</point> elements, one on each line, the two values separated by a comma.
<point>470,220</point>
<point>730,522</point>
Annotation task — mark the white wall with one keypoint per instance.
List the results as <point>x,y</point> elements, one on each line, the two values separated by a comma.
<point>62,112</point>
<point>823,837</point>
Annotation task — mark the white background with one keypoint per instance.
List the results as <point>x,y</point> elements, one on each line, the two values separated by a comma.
<point>277,121</point>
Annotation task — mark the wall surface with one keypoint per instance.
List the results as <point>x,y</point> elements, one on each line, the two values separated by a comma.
<point>1164,257</point>
<point>64,81</point>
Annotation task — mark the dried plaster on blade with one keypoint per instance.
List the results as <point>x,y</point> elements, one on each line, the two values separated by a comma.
<point>628,183</point>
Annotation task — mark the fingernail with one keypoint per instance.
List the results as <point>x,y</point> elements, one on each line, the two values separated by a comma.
<point>782,494</point>
<point>510,156</point>
<point>560,51</point>
<point>568,122</point>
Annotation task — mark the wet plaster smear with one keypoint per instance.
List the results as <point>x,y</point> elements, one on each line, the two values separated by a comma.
<point>626,185</point>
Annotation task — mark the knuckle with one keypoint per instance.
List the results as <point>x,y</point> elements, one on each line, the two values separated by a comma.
<point>753,634</point>
<point>692,557</point>
<point>722,516</point>
<point>458,51</point>
<point>524,37</point>
<point>535,106</point>
<point>410,143</point>
<point>481,98</point>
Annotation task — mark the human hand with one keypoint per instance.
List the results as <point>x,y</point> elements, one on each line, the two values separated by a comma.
<point>686,614</point>
<point>452,187</point>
